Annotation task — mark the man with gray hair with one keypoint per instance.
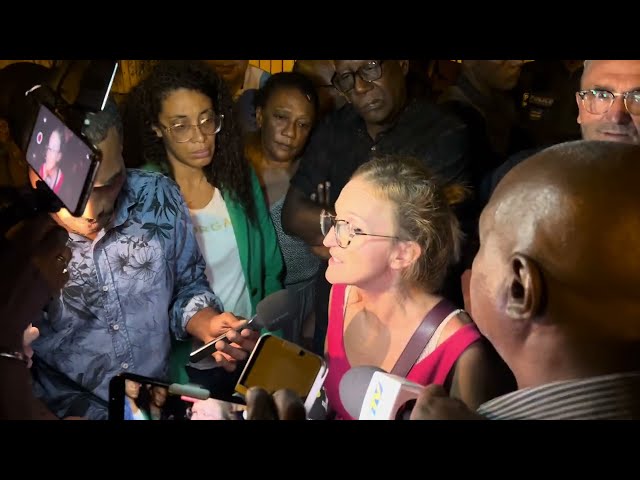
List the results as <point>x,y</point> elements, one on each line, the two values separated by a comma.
<point>608,109</point>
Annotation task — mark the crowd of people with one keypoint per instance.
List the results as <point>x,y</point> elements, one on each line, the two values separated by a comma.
<point>467,239</point>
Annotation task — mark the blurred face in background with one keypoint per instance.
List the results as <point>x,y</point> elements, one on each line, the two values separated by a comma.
<point>497,74</point>
<point>53,154</point>
<point>231,71</point>
<point>131,388</point>
<point>603,112</point>
<point>159,396</point>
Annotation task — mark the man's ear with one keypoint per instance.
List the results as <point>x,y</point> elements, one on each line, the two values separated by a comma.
<point>525,297</point>
<point>579,102</point>
<point>259,117</point>
<point>405,254</point>
<point>157,131</point>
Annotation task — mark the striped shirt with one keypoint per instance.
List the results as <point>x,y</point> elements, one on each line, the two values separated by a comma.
<point>607,397</point>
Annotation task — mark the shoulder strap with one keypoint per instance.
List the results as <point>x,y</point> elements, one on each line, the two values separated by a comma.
<point>422,335</point>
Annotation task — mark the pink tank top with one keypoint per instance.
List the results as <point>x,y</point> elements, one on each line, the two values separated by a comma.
<point>434,368</point>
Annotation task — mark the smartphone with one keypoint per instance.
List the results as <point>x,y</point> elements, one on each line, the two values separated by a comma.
<point>276,363</point>
<point>63,159</point>
<point>136,397</point>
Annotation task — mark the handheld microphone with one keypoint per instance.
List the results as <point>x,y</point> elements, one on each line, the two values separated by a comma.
<point>353,388</point>
<point>271,312</point>
<point>190,390</point>
<point>369,393</point>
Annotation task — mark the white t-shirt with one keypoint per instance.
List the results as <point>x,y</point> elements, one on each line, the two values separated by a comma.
<point>217,242</point>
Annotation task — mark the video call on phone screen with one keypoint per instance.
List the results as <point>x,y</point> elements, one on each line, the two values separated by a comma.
<point>148,401</point>
<point>59,157</point>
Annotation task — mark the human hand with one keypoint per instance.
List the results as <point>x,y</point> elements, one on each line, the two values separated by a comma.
<point>207,325</point>
<point>322,194</point>
<point>282,405</point>
<point>30,335</point>
<point>435,404</point>
<point>34,257</point>
<point>237,348</point>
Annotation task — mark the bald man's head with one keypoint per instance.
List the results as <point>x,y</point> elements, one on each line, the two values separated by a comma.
<point>560,245</point>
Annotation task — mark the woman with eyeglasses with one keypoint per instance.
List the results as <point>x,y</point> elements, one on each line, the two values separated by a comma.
<point>391,241</point>
<point>179,119</point>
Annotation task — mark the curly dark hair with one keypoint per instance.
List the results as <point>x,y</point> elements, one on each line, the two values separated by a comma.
<point>229,171</point>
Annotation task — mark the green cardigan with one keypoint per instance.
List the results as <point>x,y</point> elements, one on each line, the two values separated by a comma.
<point>260,257</point>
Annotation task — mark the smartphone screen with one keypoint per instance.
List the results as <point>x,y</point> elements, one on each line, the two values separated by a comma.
<point>135,397</point>
<point>62,159</point>
<point>277,363</point>
<point>142,399</point>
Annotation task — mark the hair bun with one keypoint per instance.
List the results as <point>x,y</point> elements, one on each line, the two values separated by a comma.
<point>455,193</point>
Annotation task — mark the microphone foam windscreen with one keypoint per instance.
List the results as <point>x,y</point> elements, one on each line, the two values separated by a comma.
<point>353,388</point>
<point>276,309</point>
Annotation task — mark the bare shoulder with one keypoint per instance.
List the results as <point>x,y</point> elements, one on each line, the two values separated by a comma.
<point>480,375</point>
<point>461,319</point>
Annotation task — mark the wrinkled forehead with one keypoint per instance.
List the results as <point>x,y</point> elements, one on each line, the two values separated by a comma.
<point>343,66</point>
<point>361,198</point>
<point>292,99</point>
<point>618,75</point>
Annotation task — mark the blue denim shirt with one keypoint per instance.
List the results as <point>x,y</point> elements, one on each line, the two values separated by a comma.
<point>129,291</point>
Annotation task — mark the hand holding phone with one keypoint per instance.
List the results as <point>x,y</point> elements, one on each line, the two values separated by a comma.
<point>271,312</point>
<point>282,405</point>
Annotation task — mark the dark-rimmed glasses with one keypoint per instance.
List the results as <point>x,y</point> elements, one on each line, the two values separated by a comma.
<point>345,81</point>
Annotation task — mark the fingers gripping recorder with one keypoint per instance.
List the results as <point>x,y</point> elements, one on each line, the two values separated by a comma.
<point>272,312</point>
